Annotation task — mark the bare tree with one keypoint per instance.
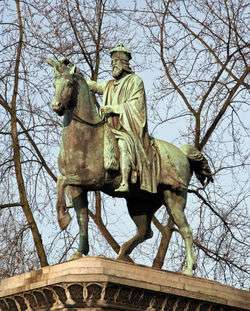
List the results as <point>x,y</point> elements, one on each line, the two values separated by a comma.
<point>11,109</point>
<point>199,54</point>
<point>82,34</point>
<point>204,56</point>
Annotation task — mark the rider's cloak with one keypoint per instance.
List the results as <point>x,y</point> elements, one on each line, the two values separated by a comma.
<point>128,100</point>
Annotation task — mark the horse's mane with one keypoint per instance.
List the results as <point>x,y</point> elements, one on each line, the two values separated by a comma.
<point>81,77</point>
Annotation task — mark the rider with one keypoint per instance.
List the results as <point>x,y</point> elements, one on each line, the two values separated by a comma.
<point>125,104</point>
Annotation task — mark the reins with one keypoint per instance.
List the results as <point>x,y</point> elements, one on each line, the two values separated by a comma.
<point>80,120</point>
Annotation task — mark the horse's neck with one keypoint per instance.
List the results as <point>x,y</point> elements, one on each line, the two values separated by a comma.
<point>85,107</point>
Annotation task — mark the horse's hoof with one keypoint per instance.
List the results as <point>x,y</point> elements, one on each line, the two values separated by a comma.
<point>84,245</point>
<point>187,271</point>
<point>75,256</point>
<point>64,220</point>
<point>124,258</point>
<point>194,266</point>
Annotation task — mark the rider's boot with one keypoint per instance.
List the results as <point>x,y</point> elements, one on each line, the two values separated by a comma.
<point>125,168</point>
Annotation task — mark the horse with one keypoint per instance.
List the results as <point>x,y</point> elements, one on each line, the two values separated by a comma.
<point>81,168</point>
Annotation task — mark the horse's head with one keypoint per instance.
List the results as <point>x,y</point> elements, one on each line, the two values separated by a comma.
<point>64,81</point>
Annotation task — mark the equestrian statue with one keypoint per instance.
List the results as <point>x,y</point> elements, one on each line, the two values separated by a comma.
<point>109,149</point>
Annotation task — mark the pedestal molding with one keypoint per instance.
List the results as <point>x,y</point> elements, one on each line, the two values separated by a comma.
<point>97,282</point>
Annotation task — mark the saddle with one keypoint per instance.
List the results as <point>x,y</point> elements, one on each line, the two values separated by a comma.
<point>112,162</point>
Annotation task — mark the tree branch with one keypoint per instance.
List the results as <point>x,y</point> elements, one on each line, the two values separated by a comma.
<point>205,44</point>
<point>5,105</point>
<point>217,214</point>
<point>97,218</point>
<point>176,87</point>
<point>8,205</point>
<point>224,107</point>
<point>166,232</point>
<point>16,150</point>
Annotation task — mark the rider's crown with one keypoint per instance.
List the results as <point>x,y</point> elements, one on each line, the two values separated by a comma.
<point>120,51</point>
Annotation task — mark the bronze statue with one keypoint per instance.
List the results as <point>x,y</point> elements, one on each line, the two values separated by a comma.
<point>154,172</point>
<point>124,101</point>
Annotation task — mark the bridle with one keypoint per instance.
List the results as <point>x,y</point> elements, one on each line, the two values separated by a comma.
<point>82,121</point>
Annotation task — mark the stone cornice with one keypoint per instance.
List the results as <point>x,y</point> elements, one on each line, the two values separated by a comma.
<point>99,282</point>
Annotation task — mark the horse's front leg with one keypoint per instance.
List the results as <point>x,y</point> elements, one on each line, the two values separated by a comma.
<point>63,215</point>
<point>80,203</point>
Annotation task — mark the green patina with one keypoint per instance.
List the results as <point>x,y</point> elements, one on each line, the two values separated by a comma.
<point>110,150</point>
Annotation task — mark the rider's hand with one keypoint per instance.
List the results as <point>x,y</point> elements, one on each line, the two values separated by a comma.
<point>106,110</point>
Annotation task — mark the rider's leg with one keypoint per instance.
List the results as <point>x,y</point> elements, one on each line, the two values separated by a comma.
<point>125,166</point>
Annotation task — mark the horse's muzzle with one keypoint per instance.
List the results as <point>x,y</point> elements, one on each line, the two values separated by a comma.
<point>58,107</point>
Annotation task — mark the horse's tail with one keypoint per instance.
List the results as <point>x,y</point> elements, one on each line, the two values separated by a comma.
<point>199,164</point>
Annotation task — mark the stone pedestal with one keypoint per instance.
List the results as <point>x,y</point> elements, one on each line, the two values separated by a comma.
<point>98,284</point>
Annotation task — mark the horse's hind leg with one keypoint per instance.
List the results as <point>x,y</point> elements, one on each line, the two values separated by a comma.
<point>142,220</point>
<point>80,204</point>
<point>175,203</point>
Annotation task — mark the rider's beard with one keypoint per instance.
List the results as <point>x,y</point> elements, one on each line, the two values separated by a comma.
<point>117,71</point>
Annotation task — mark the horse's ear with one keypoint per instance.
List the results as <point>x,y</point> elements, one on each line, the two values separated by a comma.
<point>72,69</point>
<point>51,62</point>
<point>54,64</point>
<point>65,61</point>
